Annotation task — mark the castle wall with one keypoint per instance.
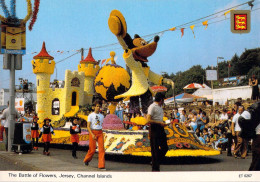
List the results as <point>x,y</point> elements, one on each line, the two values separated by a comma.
<point>90,71</point>
<point>43,90</point>
<point>58,93</point>
<point>78,89</point>
<point>69,89</point>
<point>88,90</point>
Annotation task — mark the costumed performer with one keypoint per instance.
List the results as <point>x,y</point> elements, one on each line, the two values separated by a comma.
<point>75,130</point>
<point>46,132</point>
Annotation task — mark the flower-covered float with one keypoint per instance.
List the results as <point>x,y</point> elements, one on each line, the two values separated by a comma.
<point>112,83</point>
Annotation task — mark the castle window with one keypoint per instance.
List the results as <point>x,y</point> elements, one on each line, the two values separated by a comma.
<point>38,82</point>
<point>55,107</point>
<point>75,82</point>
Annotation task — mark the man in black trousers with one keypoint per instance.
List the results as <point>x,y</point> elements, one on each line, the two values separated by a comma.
<point>158,140</point>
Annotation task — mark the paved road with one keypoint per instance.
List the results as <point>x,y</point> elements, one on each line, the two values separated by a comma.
<point>10,165</point>
<point>61,160</point>
<point>122,163</point>
<point>213,163</point>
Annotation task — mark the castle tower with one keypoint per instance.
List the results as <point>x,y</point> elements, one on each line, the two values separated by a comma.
<point>43,66</point>
<point>90,67</point>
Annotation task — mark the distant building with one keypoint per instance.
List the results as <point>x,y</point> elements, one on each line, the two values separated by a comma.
<point>29,96</point>
<point>4,96</point>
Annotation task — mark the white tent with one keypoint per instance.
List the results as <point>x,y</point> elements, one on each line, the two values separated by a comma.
<point>204,92</point>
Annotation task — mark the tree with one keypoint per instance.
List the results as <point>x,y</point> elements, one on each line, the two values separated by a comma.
<point>249,59</point>
<point>234,70</point>
<point>254,71</point>
<point>223,69</point>
<point>193,75</point>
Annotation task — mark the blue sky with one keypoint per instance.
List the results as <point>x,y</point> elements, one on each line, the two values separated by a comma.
<point>68,25</point>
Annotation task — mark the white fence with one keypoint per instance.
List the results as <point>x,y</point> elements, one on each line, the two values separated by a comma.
<point>224,94</point>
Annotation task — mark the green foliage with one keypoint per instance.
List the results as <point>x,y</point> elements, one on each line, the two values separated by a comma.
<point>240,65</point>
<point>181,79</point>
<point>254,71</point>
<point>247,64</point>
<point>223,69</point>
<point>60,123</point>
<point>234,70</point>
<point>85,108</point>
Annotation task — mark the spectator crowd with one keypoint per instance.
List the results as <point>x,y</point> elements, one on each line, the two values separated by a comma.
<point>216,127</point>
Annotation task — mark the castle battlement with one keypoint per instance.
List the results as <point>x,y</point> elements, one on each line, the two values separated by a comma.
<point>43,66</point>
<point>90,70</point>
<point>43,62</point>
<point>69,76</point>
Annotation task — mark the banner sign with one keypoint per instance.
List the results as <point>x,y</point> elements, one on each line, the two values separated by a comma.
<point>211,75</point>
<point>27,132</point>
<point>19,105</point>
<point>13,39</point>
<point>240,21</point>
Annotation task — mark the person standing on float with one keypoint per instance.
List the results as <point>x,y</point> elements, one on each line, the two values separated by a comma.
<point>158,140</point>
<point>94,125</point>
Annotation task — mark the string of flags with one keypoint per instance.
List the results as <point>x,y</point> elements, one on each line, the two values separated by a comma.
<point>201,22</point>
<point>206,23</point>
<point>56,51</point>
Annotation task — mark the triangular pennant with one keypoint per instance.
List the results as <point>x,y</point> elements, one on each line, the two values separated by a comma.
<point>102,62</point>
<point>172,29</point>
<point>227,12</point>
<point>108,60</point>
<point>192,27</point>
<point>182,32</point>
<point>205,23</point>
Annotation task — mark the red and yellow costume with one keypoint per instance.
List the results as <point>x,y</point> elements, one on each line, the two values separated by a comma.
<point>74,138</point>
<point>34,130</point>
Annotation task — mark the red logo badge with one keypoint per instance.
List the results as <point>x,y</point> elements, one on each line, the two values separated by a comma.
<point>240,21</point>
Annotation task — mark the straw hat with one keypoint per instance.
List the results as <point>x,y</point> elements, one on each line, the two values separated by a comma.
<point>117,24</point>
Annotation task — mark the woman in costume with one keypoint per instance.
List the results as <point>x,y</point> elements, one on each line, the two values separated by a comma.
<point>35,132</point>
<point>74,138</point>
<point>46,132</point>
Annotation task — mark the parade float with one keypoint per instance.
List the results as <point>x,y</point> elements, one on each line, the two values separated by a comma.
<point>112,83</point>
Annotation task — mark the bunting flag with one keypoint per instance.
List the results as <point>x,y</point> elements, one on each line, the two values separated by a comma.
<point>182,32</point>
<point>205,23</point>
<point>108,60</point>
<point>102,62</point>
<point>172,29</point>
<point>192,27</point>
<point>227,12</point>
